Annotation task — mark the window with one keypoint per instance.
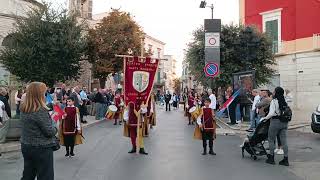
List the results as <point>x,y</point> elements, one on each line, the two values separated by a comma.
<point>272,32</point>
<point>272,27</point>
<point>159,52</point>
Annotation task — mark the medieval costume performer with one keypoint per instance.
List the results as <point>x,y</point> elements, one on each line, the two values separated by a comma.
<point>70,128</point>
<point>191,104</point>
<point>118,102</point>
<point>151,111</point>
<point>133,126</point>
<point>206,128</point>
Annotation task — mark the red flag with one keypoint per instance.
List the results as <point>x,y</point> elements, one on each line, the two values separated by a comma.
<point>57,113</point>
<point>139,76</point>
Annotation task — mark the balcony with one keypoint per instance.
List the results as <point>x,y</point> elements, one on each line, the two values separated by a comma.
<point>316,41</point>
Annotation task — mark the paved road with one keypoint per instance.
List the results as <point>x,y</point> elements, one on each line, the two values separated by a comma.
<point>173,154</point>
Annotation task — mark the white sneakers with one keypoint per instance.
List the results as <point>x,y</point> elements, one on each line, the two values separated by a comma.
<point>279,151</point>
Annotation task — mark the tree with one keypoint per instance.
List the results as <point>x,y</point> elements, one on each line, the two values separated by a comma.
<point>115,34</point>
<point>46,46</point>
<point>177,85</point>
<point>241,48</point>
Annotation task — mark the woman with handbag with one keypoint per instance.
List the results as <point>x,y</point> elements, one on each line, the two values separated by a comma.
<point>38,140</point>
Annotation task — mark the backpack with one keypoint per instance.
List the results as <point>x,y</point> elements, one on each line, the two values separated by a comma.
<point>286,114</point>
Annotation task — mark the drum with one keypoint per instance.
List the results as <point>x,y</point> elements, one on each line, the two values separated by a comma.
<point>194,112</point>
<point>111,111</point>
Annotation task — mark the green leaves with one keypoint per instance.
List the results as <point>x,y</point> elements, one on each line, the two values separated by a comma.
<point>115,34</point>
<point>48,46</point>
<point>241,48</point>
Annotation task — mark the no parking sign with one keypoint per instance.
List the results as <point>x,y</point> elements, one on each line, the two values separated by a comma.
<point>211,69</point>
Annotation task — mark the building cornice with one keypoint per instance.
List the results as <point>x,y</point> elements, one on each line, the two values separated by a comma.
<point>154,39</point>
<point>271,12</point>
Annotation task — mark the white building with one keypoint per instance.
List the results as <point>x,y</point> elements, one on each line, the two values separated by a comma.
<point>170,72</point>
<point>156,48</point>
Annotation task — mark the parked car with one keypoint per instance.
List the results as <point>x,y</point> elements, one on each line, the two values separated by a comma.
<point>315,124</point>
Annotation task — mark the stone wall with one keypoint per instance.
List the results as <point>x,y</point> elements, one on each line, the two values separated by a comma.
<point>300,73</point>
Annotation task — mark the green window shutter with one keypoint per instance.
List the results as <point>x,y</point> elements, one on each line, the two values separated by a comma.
<point>272,32</point>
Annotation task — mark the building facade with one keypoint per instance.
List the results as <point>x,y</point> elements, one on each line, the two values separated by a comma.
<point>82,7</point>
<point>156,49</point>
<point>294,30</point>
<point>170,72</point>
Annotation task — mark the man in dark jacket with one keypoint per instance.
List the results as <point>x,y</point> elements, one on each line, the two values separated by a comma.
<point>167,98</point>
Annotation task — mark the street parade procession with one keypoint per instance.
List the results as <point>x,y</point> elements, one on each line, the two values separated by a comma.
<point>159,90</point>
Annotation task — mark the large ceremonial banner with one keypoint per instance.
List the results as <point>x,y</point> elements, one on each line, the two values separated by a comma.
<point>139,75</point>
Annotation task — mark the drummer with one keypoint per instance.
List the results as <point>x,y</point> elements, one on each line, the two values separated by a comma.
<point>118,103</point>
<point>191,104</point>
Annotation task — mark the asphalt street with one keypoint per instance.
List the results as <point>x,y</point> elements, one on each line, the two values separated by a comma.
<point>173,154</point>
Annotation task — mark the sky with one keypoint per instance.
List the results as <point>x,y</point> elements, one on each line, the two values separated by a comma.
<point>171,21</point>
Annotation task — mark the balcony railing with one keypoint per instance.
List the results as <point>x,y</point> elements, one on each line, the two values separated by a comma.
<point>316,41</point>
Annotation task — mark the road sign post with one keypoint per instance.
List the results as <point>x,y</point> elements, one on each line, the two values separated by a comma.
<point>212,29</point>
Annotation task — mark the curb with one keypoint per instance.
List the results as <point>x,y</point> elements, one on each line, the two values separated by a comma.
<point>293,127</point>
<point>15,146</point>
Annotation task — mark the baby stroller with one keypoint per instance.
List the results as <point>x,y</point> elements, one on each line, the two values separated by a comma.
<point>254,143</point>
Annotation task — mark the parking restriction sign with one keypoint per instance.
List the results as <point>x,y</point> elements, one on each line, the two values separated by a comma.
<point>211,69</point>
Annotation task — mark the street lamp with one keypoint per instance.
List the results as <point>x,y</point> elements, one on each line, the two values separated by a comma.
<point>203,4</point>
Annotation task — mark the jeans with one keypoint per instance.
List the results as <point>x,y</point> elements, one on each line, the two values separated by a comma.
<point>168,104</point>
<point>18,109</point>
<point>100,111</point>
<point>254,120</point>
<point>38,162</point>
<point>278,128</point>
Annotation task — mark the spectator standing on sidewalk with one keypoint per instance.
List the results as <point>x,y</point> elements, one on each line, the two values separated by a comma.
<point>17,98</point>
<point>254,121</point>
<point>263,103</point>
<point>99,101</point>
<point>213,99</point>
<point>83,106</point>
<point>277,126</point>
<point>5,100</point>
<point>38,135</point>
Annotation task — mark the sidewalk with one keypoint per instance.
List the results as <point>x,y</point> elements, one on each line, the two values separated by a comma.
<point>300,119</point>
<point>12,146</point>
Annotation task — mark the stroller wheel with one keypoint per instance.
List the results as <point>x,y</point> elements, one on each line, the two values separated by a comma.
<point>255,158</point>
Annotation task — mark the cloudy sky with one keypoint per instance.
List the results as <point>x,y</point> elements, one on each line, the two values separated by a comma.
<point>171,21</point>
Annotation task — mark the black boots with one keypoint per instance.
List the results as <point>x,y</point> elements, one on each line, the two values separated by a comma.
<point>67,152</point>
<point>284,162</point>
<point>211,152</point>
<point>141,151</point>
<point>133,150</point>
<point>204,151</point>
<point>270,159</point>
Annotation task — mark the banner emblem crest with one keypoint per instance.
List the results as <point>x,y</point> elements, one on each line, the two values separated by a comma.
<point>140,80</point>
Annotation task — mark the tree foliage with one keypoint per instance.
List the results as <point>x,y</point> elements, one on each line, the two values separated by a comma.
<point>177,85</point>
<point>45,46</point>
<point>115,34</point>
<point>241,48</point>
